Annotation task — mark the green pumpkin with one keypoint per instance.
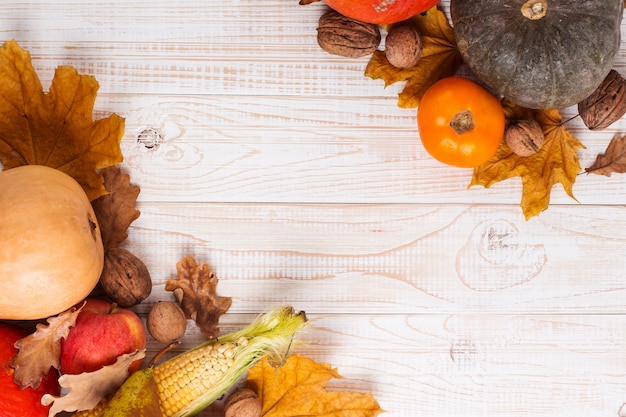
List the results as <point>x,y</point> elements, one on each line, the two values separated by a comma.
<point>539,53</point>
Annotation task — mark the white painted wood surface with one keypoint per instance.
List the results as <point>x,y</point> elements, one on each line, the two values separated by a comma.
<point>300,181</point>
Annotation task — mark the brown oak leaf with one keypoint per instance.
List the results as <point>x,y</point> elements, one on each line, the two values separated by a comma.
<point>440,59</point>
<point>86,390</point>
<point>196,291</point>
<point>613,160</point>
<point>55,129</point>
<point>41,350</point>
<point>115,211</point>
<point>298,388</point>
<point>555,162</point>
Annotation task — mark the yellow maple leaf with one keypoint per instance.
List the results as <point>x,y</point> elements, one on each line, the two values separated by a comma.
<point>298,388</point>
<point>55,129</point>
<point>440,58</point>
<point>555,162</point>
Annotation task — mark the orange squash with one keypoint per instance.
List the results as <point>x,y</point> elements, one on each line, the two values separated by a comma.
<point>14,401</point>
<point>51,253</point>
<point>380,11</point>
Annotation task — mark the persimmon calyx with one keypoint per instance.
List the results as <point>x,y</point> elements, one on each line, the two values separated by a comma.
<point>462,122</point>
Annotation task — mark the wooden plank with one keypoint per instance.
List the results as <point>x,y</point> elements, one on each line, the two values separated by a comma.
<point>475,365</point>
<point>311,150</point>
<point>401,258</point>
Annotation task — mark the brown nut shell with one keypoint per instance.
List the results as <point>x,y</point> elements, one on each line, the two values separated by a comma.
<point>524,137</point>
<point>343,36</point>
<point>404,45</point>
<point>606,105</point>
<point>125,278</point>
<point>243,403</point>
<point>166,321</point>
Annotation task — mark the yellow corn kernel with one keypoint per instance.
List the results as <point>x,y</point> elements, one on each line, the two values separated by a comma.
<point>195,372</point>
<point>189,382</point>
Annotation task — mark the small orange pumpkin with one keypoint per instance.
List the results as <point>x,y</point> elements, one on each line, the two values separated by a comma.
<point>51,253</point>
<point>380,11</point>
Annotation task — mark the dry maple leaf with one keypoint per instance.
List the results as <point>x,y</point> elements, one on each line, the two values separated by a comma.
<point>86,390</point>
<point>55,128</point>
<point>440,59</point>
<point>115,211</point>
<point>613,159</point>
<point>41,350</point>
<point>555,162</point>
<point>298,388</point>
<point>196,291</point>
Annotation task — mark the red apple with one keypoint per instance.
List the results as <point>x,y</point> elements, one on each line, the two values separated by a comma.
<point>102,332</point>
<point>16,402</point>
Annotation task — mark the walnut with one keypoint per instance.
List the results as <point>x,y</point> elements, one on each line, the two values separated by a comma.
<point>403,45</point>
<point>166,321</point>
<point>341,35</point>
<point>243,403</point>
<point>606,105</point>
<point>524,137</point>
<point>125,278</point>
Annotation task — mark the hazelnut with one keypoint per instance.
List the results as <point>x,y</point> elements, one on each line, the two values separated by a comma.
<point>243,403</point>
<point>524,137</point>
<point>166,321</point>
<point>403,45</point>
<point>341,35</point>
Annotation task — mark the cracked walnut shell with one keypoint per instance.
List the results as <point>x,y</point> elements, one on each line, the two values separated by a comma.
<point>606,105</point>
<point>340,35</point>
<point>125,278</point>
<point>524,137</point>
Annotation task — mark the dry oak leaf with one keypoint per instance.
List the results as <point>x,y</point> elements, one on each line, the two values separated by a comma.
<point>55,129</point>
<point>86,390</point>
<point>196,292</point>
<point>613,160</point>
<point>115,211</point>
<point>440,58</point>
<point>555,162</point>
<point>41,350</point>
<point>298,388</point>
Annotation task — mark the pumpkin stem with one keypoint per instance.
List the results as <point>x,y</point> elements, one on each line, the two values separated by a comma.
<point>535,9</point>
<point>462,122</point>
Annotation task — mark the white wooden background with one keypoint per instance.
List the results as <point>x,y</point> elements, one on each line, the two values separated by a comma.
<point>300,181</point>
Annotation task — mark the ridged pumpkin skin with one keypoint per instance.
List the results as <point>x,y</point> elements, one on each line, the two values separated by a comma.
<point>552,62</point>
<point>51,253</point>
<point>380,11</point>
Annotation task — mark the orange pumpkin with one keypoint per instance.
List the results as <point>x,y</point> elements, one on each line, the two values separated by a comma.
<point>52,253</point>
<point>380,11</point>
<point>14,401</point>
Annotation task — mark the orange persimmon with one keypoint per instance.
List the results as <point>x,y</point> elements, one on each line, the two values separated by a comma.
<point>460,122</point>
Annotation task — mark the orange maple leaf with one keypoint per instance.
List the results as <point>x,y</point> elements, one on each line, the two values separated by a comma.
<point>55,129</point>
<point>440,58</point>
<point>555,162</point>
<point>298,387</point>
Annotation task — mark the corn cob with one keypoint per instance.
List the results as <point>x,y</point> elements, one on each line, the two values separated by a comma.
<point>191,381</point>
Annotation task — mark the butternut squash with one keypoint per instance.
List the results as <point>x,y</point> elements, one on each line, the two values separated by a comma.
<point>51,253</point>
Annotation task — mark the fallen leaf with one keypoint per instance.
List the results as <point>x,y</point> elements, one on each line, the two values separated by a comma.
<point>115,211</point>
<point>613,160</point>
<point>41,350</point>
<point>55,129</point>
<point>440,59</point>
<point>196,291</point>
<point>555,162</point>
<point>86,390</point>
<point>298,388</point>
